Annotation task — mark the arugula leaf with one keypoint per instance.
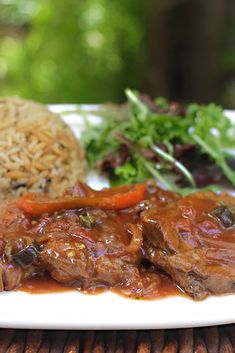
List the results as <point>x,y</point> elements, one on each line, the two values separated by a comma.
<point>98,142</point>
<point>204,126</point>
<point>214,134</point>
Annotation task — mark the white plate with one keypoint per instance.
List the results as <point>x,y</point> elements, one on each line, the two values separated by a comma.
<point>74,310</point>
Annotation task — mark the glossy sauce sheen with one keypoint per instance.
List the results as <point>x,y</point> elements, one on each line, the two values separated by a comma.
<point>95,249</point>
<point>156,285</point>
<point>45,284</point>
<point>104,255</point>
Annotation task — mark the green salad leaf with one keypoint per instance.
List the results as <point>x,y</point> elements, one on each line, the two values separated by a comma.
<point>145,132</point>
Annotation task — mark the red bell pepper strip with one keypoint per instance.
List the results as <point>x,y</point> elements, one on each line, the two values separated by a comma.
<point>127,196</point>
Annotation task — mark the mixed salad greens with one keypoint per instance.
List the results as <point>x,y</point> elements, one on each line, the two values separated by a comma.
<point>155,139</point>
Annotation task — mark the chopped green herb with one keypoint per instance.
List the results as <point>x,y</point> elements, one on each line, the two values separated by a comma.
<point>87,221</point>
<point>26,256</point>
<point>225,215</point>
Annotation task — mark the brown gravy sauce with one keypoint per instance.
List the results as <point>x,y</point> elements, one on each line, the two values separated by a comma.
<point>44,284</point>
<point>150,285</point>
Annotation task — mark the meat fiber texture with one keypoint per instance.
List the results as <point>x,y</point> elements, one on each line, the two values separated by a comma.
<point>193,240</point>
<point>85,248</point>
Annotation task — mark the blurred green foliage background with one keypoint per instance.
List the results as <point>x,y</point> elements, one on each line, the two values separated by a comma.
<point>88,51</point>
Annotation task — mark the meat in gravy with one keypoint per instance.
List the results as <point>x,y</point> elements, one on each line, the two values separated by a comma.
<point>191,239</point>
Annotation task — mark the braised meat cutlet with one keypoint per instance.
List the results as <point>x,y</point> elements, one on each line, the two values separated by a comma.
<point>90,248</point>
<point>193,240</point>
<point>85,247</point>
<point>15,240</point>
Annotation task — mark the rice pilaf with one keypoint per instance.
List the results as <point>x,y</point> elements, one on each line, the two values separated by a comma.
<point>38,151</point>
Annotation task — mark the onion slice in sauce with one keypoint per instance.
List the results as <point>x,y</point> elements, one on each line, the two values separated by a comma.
<point>136,237</point>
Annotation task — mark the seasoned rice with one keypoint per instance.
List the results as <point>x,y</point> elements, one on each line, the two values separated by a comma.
<point>38,151</point>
